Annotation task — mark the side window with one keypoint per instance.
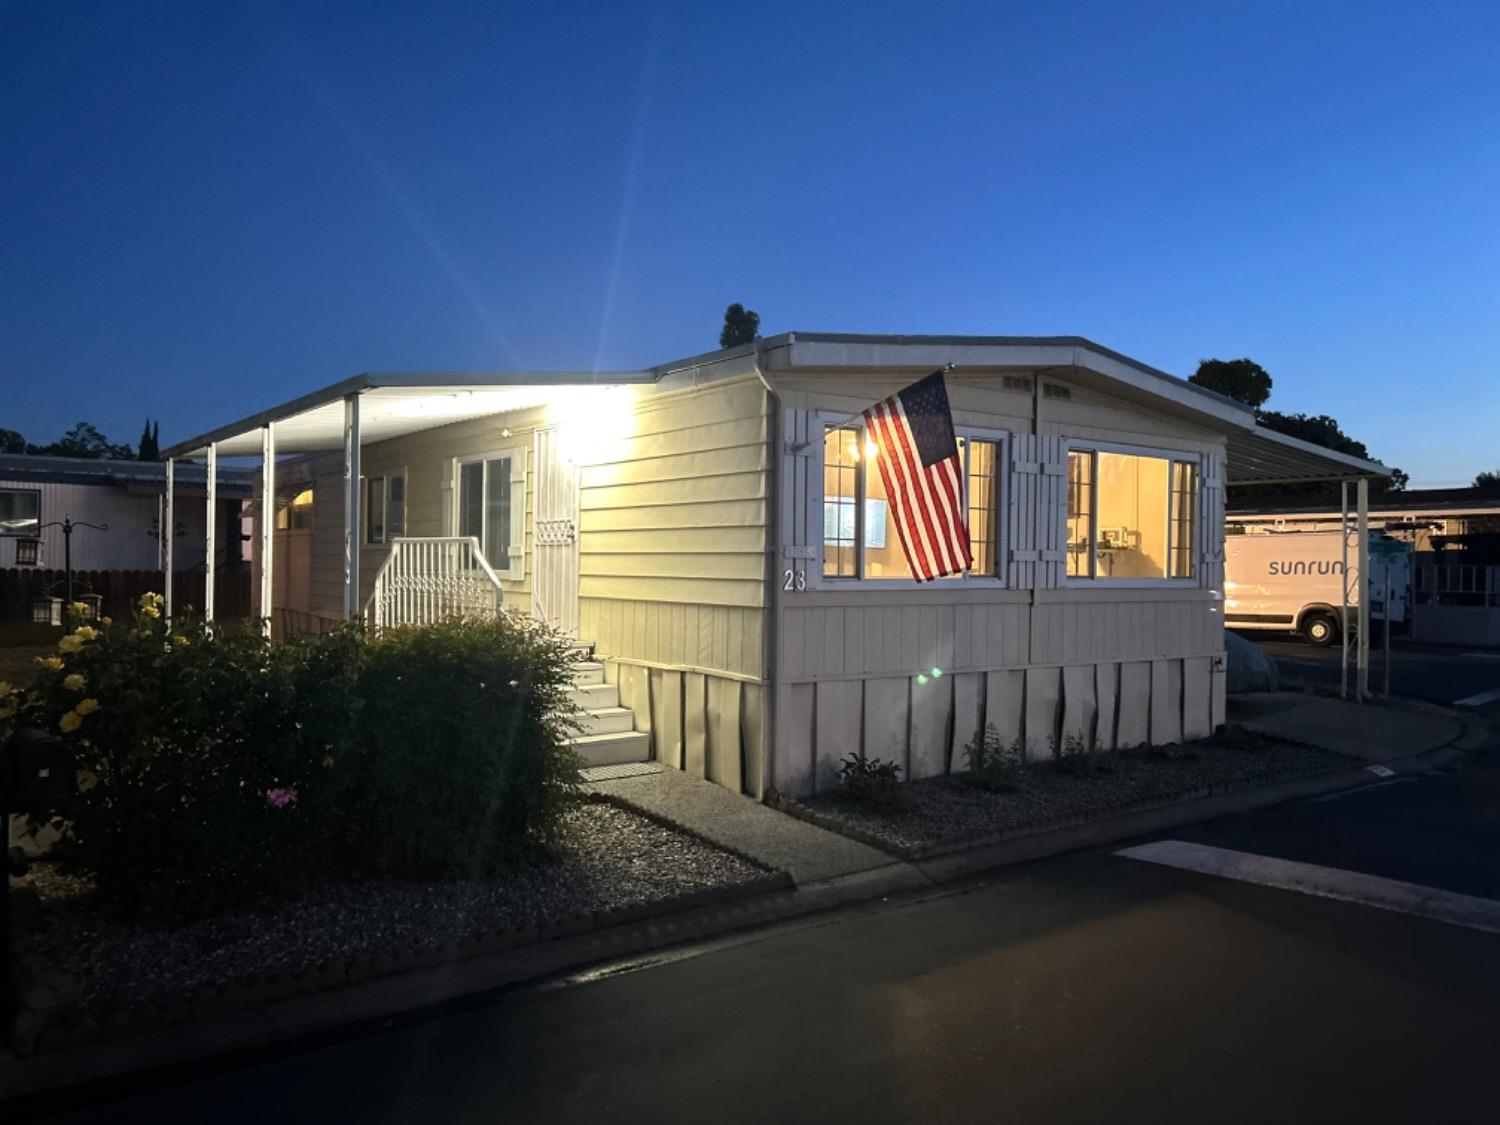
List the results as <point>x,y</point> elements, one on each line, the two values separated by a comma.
<point>485,508</point>
<point>375,510</point>
<point>395,495</point>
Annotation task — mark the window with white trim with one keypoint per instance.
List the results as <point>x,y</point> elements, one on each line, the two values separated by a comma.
<point>860,538</point>
<point>385,507</point>
<point>490,505</point>
<point>1131,516</point>
<point>20,511</point>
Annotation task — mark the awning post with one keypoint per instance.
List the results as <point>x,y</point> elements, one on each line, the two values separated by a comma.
<point>1363,526</point>
<point>211,514</point>
<point>168,524</point>
<point>351,506</point>
<point>1343,589</point>
<point>267,522</point>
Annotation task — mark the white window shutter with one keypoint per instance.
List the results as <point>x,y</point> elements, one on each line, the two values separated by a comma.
<point>1211,521</point>
<point>516,549</point>
<point>1052,511</point>
<point>1021,514</point>
<point>801,512</point>
<point>449,501</point>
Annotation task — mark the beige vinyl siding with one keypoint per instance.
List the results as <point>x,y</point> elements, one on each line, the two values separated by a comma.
<point>1041,660</point>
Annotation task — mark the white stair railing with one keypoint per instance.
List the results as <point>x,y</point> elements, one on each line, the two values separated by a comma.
<point>426,580</point>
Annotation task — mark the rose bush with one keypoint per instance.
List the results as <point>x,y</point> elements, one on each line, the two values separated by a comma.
<point>217,768</point>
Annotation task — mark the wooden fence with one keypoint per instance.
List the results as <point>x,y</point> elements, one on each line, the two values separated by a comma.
<point>121,588</point>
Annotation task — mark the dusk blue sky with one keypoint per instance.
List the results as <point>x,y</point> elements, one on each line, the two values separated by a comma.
<point>208,209</point>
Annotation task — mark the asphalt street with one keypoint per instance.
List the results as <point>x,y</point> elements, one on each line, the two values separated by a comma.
<point>1090,987</point>
<point>1437,673</point>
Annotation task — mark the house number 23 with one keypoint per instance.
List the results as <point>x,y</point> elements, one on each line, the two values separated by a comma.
<point>794,580</point>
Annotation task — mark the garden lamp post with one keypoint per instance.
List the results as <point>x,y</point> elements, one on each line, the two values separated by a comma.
<point>67,525</point>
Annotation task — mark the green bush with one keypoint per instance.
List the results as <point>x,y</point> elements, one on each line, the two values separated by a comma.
<point>216,768</point>
<point>871,781</point>
<point>459,767</point>
<point>1075,757</point>
<point>993,764</point>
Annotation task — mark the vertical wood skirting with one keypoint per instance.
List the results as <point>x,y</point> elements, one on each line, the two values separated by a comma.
<point>1106,695</point>
<point>968,716</point>
<point>1133,727</point>
<point>1197,697</point>
<point>931,713</point>
<point>1005,704</point>
<point>837,723</point>
<point>1043,712</point>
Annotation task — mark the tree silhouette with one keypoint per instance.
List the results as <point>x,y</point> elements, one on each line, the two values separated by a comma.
<point>741,326</point>
<point>1243,380</point>
<point>147,449</point>
<point>12,442</point>
<point>1487,479</point>
<point>83,440</point>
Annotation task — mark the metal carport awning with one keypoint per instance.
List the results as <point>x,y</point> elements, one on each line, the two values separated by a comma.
<point>1259,455</point>
<point>366,408</point>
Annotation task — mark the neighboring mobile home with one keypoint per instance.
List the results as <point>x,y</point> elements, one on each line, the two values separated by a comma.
<point>714,530</point>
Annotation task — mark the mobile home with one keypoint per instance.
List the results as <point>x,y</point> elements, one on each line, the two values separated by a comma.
<point>714,532</point>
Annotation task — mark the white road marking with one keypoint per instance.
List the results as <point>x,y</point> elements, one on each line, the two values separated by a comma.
<point>1479,700</point>
<point>1326,882</point>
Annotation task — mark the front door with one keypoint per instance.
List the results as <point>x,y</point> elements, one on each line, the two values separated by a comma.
<point>554,587</point>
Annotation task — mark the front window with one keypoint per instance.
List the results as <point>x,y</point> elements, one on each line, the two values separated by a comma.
<point>20,511</point>
<point>484,507</point>
<point>375,510</point>
<point>1130,515</point>
<point>861,538</point>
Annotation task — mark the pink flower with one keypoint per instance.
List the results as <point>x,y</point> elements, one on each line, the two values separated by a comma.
<point>281,798</point>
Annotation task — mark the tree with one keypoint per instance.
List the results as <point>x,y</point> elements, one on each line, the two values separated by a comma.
<point>1243,380</point>
<point>12,442</point>
<point>741,326</point>
<point>148,449</point>
<point>1487,479</point>
<point>83,440</point>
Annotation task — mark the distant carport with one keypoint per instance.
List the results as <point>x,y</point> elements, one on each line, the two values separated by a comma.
<point>1259,455</point>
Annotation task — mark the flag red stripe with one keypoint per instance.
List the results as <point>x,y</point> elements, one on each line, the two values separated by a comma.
<point>919,492</point>
<point>900,495</point>
<point>953,481</point>
<point>931,504</point>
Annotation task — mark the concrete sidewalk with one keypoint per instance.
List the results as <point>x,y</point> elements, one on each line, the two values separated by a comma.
<point>1372,732</point>
<point>783,843</point>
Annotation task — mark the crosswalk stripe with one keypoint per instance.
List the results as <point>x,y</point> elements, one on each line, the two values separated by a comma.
<point>1326,882</point>
<point>1481,699</point>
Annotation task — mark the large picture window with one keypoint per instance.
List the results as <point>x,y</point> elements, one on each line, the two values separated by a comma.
<point>1131,515</point>
<point>860,540</point>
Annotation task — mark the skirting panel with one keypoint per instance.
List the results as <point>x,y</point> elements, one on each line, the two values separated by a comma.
<point>924,726</point>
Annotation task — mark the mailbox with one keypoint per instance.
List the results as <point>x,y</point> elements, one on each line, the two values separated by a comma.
<point>38,772</point>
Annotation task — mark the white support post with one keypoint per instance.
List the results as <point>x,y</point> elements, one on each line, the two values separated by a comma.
<point>1364,589</point>
<point>169,525</point>
<point>267,522</point>
<point>1344,590</point>
<point>351,506</point>
<point>211,517</point>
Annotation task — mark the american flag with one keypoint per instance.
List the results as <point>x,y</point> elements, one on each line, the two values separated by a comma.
<point>917,452</point>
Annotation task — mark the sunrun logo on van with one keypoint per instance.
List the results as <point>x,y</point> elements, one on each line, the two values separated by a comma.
<point>1305,566</point>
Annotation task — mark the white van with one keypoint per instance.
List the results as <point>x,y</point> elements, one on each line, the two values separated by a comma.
<point>1293,580</point>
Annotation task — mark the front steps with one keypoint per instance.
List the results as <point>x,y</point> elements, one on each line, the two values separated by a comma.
<point>608,736</point>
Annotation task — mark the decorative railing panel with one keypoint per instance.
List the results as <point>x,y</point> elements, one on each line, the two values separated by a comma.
<point>427,580</point>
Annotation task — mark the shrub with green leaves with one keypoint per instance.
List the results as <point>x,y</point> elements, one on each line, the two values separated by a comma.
<point>216,768</point>
<point>995,765</point>
<point>459,767</point>
<point>1076,758</point>
<point>871,781</point>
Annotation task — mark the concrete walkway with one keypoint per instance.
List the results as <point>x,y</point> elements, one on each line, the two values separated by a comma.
<point>811,854</point>
<point>1372,732</point>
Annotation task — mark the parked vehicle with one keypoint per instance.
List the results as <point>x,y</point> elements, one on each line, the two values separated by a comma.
<point>1294,581</point>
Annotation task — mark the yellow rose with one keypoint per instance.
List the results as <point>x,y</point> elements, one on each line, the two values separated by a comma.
<point>87,706</point>
<point>69,723</point>
<point>87,632</point>
<point>5,688</point>
<point>79,609</point>
<point>70,643</point>
<point>150,611</point>
<point>105,621</point>
<point>179,640</point>
<point>50,662</point>
<point>75,681</point>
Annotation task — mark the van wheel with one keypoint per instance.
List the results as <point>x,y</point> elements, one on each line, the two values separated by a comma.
<point>1320,629</point>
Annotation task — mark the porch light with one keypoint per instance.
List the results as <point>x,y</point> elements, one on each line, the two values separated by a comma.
<point>592,421</point>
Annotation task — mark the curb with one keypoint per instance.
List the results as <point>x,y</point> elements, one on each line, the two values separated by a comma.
<point>473,974</point>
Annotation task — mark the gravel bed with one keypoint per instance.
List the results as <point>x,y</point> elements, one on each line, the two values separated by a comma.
<point>611,858</point>
<point>947,811</point>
